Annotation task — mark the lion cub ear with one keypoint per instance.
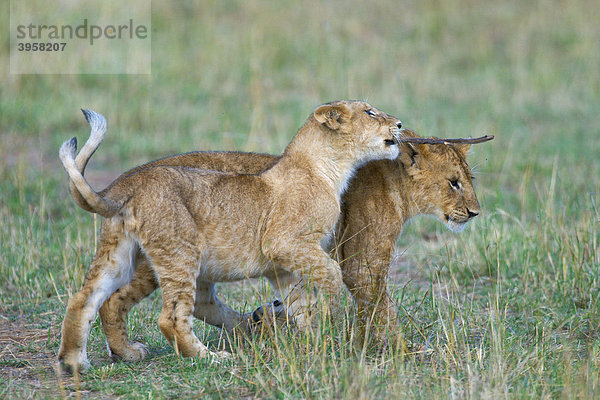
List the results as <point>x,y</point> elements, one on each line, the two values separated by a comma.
<point>408,155</point>
<point>462,149</point>
<point>332,116</point>
<point>412,155</point>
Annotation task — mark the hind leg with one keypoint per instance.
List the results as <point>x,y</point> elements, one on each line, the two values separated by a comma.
<point>113,312</point>
<point>177,271</point>
<point>111,268</point>
<point>207,307</point>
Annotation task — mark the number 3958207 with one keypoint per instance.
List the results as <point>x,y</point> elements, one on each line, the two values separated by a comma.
<point>41,46</point>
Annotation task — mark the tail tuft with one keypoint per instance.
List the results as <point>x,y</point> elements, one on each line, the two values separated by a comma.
<point>98,125</point>
<point>84,194</point>
<point>85,114</point>
<point>68,149</point>
<point>96,121</point>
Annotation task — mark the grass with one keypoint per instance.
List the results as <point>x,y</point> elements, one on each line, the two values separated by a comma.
<point>507,309</point>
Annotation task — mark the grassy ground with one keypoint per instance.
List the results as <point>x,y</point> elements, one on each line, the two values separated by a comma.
<point>510,308</point>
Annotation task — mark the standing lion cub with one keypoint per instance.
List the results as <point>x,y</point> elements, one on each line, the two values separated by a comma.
<point>199,227</point>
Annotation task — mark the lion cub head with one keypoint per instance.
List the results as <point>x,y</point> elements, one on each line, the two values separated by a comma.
<point>442,180</point>
<point>361,129</point>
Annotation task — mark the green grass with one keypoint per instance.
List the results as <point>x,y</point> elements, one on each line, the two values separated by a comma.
<point>508,309</point>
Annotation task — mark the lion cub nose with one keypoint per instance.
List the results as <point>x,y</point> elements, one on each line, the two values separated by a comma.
<point>472,214</point>
<point>399,125</point>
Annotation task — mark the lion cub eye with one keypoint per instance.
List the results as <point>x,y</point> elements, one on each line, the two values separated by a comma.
<point>455,184</point>
<point>371,113</point>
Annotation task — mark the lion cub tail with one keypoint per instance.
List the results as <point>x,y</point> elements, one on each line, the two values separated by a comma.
<point>84,194</point>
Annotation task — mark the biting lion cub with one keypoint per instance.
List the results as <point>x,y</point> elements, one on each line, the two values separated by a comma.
<point>199,227</point>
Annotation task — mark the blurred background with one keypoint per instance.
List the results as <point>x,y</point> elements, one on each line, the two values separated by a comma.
<point>244,75</point>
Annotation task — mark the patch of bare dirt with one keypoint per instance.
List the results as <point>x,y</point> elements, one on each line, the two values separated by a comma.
<point>26,364</point>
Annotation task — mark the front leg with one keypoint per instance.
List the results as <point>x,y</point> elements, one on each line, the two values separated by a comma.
<point>213,311</point>
<point>376,311</point>
<point>305,258</point>
<point>368,253</point>
<point>296,300</point>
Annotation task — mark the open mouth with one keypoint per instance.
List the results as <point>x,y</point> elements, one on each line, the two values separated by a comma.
<point>389,142</point>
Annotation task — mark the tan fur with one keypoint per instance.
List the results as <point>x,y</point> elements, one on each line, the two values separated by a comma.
<point>197,227</point>
<point>382,196</point>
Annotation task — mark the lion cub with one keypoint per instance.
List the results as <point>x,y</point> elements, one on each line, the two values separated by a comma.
<point>198,226</point>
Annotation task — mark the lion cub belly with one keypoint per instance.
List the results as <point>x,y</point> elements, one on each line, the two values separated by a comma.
<point>226,264</point>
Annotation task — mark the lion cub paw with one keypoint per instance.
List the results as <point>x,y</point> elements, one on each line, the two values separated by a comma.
<point>266,315</point>
<point>333,282</point>
<point>69,366</point>
<point>217,357</point>
<point>221,355</point>
<point>135,351</point>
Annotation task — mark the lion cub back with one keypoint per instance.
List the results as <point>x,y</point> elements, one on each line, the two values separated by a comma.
<point>181,206</point>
